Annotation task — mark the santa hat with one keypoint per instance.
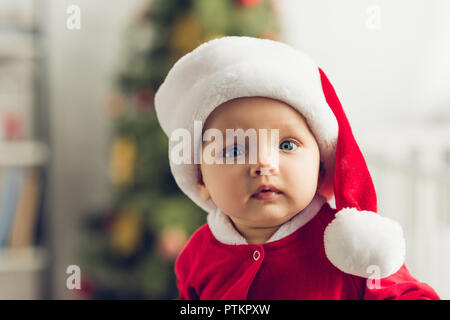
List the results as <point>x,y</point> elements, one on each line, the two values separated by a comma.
<point>358,241</point>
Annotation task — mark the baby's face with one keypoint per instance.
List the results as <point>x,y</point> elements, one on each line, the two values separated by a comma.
<point>232,187</point>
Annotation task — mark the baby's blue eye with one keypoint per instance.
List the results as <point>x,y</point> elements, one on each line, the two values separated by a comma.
<point>289,145</point>
<point>233,151</point>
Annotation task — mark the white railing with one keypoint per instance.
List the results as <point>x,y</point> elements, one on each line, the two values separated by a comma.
<point>418,197</point>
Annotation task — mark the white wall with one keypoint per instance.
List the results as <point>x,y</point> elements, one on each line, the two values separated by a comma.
<point>80,64</point>
<point>399,71</point>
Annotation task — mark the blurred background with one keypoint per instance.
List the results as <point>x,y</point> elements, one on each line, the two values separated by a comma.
<point>88,207</point>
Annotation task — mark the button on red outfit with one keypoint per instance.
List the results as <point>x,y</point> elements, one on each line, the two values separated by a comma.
<point>294,267</point>
<point>256,255</point>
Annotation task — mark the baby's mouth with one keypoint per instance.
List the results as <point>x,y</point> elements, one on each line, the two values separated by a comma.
<point>266,192</point>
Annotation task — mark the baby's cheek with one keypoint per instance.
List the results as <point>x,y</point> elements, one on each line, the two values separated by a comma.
<point>229,183</point>
<point>233,178</point>
<point>300,178</point>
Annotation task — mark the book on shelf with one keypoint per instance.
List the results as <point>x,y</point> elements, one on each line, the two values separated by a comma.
<point>19,201</point>
<point>23,227</point>
<point>11,184</point>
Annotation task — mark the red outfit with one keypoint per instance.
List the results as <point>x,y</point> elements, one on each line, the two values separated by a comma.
<point>294,267</point>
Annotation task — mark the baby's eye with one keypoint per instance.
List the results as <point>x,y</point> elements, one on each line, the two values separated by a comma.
<point>233,151</point>
<point>288,145</point>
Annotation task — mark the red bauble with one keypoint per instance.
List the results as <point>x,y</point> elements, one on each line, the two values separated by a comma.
<point>250,3</point>
<point>87,288</point>
<point>171,242</point>
<point>144,99</point>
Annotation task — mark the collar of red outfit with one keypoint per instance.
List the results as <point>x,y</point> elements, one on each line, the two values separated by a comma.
<point>224,231</point>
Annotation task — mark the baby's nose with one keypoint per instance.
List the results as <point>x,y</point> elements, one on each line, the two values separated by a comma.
<point>267,163</point>
<point>267,171</point>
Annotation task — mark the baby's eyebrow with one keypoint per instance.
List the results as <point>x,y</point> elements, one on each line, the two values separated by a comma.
<point>295,128</point>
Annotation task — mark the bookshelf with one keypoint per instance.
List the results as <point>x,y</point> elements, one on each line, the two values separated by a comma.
<point>24,151</point>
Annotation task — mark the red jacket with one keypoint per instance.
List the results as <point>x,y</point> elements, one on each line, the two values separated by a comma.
<point>294,267</point>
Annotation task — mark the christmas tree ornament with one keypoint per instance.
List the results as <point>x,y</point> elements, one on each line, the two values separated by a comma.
<point>115,105</point>
<point>144,99</point>
<point>250,3</point>
<point>186,33</point>
<point>123,159</point>
<point>126,232</point>
<point>87,288</point>
<point>170,242</point>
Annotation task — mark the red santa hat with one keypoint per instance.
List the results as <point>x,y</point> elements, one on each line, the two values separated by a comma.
<point>357,240</point>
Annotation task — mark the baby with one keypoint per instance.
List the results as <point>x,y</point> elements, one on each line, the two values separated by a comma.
<point>270,231</point>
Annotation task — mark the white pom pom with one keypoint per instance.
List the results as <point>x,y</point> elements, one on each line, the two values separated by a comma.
<point>358,242</point>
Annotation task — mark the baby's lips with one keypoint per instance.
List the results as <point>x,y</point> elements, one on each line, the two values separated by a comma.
<point>266,188</point>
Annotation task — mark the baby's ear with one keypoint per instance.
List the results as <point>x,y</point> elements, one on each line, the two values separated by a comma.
<point>204,193</point>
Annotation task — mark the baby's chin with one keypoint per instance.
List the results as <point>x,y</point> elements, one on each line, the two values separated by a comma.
<point>267,219</point>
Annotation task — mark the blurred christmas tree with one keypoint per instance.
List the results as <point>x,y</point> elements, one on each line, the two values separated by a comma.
<point>128,250</point>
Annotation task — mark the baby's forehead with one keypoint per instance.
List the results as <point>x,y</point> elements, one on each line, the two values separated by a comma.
<point>255,113</point>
